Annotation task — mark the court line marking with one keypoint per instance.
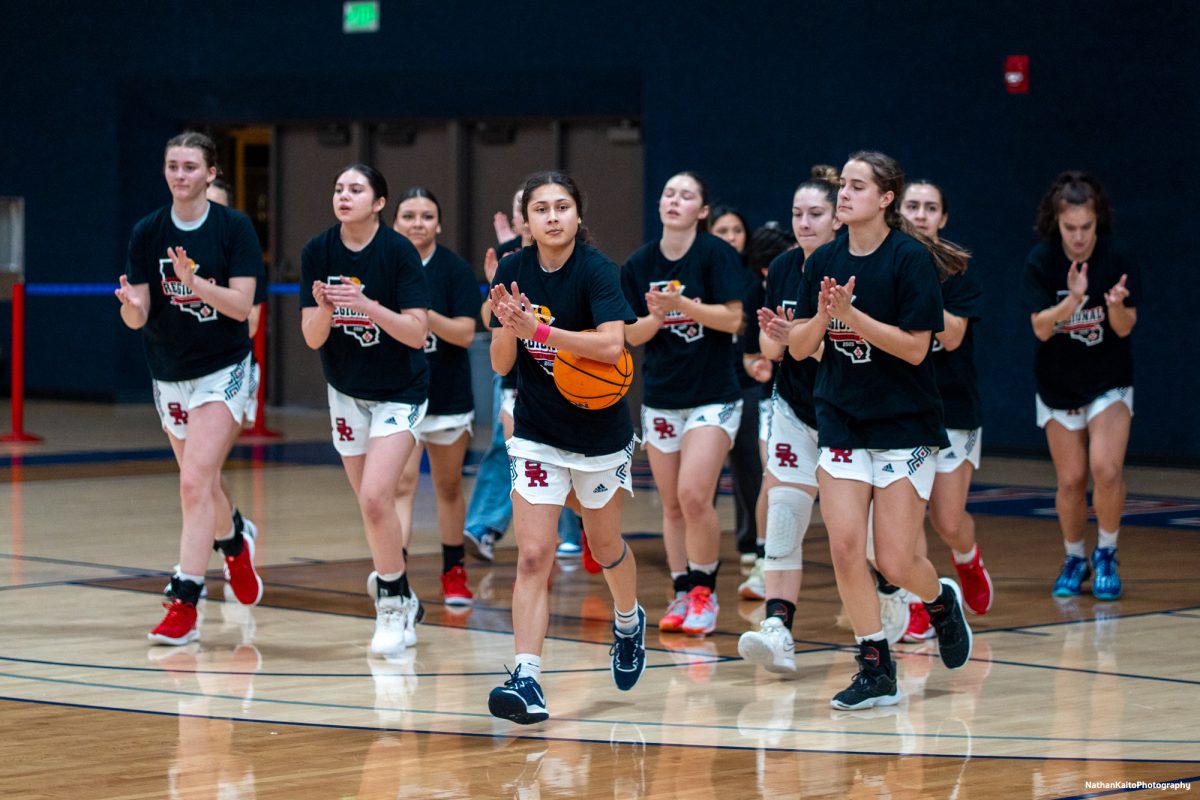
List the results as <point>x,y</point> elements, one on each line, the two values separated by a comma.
<point>1082,670</point>
<point>584,721</point>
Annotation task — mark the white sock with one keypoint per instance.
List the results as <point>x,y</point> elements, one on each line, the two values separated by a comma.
<point>874,637</point>
<point>626,621</point>
<point>967,557</point>
<point>183,576</point>
<point>707,569</point>
<point>1108,539</point>
<point>529,664</point>
<point>1075,548</point>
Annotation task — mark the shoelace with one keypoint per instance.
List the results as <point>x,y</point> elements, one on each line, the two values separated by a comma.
<point>626,650</point>
<point>700,603</point>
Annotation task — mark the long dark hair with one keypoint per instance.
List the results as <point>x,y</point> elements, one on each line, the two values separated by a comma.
<point>949,257</point>
<point>375,180</point>
<point>1072,188</point>
<point>553,177</point>
<point>418,191</point>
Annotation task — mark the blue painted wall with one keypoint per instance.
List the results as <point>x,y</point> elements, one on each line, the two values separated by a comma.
<point>750,98</point>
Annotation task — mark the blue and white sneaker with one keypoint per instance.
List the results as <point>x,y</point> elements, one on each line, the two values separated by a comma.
<point>1075,571</point>
<point>1107,583</point>
<point>569,550</point>
<point>628,653</point>
<point>480,545</point>
<point>520,700</point>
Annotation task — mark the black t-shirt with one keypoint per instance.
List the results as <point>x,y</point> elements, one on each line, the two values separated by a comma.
<point>796,378</point>
<point>185,338</point>
<point>359,358</point>
<point>687,364</point>
<point>1084,358</point>
<point>510,246</point>
<point>755,300</point>
<point>864,396</point>
<point>581,295</point>
<point>962,296</point>
<point>751,293</point>
<point>453,293</point>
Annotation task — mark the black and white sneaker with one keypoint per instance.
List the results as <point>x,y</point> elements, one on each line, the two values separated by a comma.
<point>873,685</point>
<point>520,700</point>
<point>628,653</point>
<point>953,633</point>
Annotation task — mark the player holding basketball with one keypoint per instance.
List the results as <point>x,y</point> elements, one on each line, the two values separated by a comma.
<point>924,205</point>
<point>790,480</point>
<point>445,430</point>
<point>686,289</point>
<point>365,310</point>
<point>874,299</point>
<point>1081,292</point>
<point>561,293</point>
<point>202,259</point>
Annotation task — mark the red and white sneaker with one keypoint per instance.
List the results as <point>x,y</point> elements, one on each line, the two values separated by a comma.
<point>240,572</point>
<point>179,626</point>
<point>919,627</point>
<point>702,612</point>
<point>976,584</point>
<point>455,591</point>
<point>676,612</point>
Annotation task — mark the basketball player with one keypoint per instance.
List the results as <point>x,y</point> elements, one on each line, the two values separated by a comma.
<point>874,298</point>
<point>686,289</point>
<point>445,430</point>
<point>790,480</point>
<point>201,259</point>
<point>366,314</point>
<point>1081,292</point>
<point>562,293</point>
<point>924,205</point>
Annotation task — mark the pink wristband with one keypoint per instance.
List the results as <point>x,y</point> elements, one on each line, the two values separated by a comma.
<point>542,333</point>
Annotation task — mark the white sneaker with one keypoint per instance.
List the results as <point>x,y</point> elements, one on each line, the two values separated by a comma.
<point>412,615</point>
<point>481,546</point>
<point>771,647</point>
<point>391,623</point>
<point>893,612</point>
<point>755,586</point>
<point>702,612</point>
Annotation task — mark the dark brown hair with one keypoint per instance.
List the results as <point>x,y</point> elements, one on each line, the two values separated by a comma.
<point>553,177</point>
<point>701,224</point>
<point>823,178</point>
<point>935,187</point>
<point>1073,188</point>
<point>418,191</point>
<point>949,257</point>
<point>374,177</point>
<point>197,140</point>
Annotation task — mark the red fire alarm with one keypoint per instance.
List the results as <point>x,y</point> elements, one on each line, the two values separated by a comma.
<point>1016,74</point>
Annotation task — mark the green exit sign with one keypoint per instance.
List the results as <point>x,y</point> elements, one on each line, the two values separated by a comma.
<point>360,17</point>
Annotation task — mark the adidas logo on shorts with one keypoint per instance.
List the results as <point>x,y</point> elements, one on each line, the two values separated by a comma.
<point>888,468</point>
<point>600,488</point>
<point>390,421</point>
<point>950,454</point>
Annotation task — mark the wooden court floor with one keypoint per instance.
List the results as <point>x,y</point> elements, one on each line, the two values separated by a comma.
<point>1060,699</point>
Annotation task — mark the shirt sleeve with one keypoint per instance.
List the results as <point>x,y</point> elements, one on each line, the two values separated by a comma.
<point>506,273</point>
<point>136,265</point>
<point>412,290</point>
<point>725,273</point>
<point>962,294</point>
<point>809,289</point>
<point>310,269</point>
<point>919,292</point>
<point>464,295</point>
<point>1036,292</point>
<point>245,253</point>
<point>604,291</point>
<point>633,288</point>
<point>753,301</point>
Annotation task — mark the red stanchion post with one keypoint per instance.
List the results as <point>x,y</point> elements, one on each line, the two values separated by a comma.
<point>259,429</point>
<point>18,433</point>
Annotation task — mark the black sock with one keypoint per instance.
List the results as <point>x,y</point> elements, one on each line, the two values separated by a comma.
<point>876,655</point>
<point>942,605</point>
<point>783,610</point>
<point>396,588</point>
<point>760,550</point>
<point>239,524</point>
<point>682,583</point>
<point>881,583</point>
<point>185,590</point>
<point>452,556</point>
<point>231,547</point>
<point>698,578</point>
<point>404,552</point>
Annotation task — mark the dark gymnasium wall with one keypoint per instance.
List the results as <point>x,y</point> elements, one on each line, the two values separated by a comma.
<point>749,97</point>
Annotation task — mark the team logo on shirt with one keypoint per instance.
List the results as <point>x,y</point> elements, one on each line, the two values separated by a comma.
<point>1085,325</point>
<point>354,323</point>
<point>181,296</point>
<point>937,345</point>
<point>848,343</point>
<point>431,342</point>
<point>542,353</point>
<point>677,322</point>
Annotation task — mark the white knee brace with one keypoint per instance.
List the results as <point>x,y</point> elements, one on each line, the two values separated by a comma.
<point>789,511</point>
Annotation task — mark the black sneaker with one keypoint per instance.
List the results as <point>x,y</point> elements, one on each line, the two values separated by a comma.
<point>520,699</point>
<point>873,685</point>
<point>628,653</point>
<point>953,633</point>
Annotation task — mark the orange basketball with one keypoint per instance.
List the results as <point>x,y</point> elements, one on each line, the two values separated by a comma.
<point>592,384</point>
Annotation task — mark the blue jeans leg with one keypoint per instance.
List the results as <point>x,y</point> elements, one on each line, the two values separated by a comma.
<point>491,505</point>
